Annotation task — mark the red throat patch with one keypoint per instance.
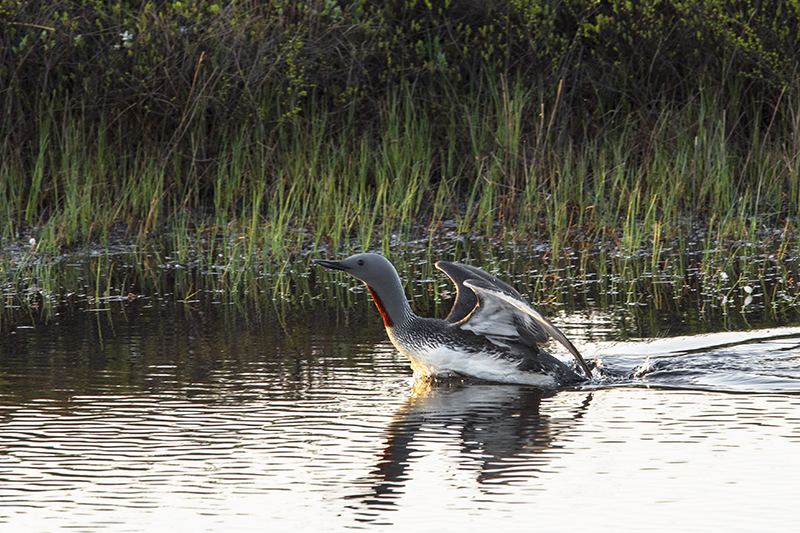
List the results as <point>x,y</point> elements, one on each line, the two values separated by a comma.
<point>387,320</point>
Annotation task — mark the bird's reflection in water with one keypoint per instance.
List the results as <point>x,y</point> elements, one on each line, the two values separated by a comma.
<point>500,432</point>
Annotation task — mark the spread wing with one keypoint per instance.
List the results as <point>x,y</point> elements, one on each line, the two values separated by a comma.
<point>488,306</point>
<point>506,317</point>
<point>466,299</point>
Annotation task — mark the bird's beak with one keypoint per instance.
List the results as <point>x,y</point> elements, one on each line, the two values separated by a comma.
<point>336,265</point>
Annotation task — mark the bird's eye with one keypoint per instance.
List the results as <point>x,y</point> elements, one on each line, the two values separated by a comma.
<point>361,262</point>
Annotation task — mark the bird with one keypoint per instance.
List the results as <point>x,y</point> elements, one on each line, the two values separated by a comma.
<point>491,333</point>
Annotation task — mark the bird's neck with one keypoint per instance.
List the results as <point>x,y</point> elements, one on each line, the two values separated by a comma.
<point>392,304</point>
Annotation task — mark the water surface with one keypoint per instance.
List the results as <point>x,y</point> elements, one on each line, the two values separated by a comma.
<point>157,417</point>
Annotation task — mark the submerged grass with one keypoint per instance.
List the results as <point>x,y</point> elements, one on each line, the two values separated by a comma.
<point>699,284</point>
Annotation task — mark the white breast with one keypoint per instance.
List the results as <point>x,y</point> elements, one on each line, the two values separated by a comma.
<point>444,361</point>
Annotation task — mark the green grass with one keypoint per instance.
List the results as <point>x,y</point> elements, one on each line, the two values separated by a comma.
<point>575,151</point>
<point>624,204</point>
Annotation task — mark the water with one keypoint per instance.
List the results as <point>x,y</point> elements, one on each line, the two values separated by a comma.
<point>163,417</point>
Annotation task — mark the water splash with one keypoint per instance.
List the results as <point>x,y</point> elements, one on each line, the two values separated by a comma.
<point>760,361</point>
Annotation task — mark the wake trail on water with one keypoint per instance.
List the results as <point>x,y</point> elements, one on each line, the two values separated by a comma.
<point>760,361</point>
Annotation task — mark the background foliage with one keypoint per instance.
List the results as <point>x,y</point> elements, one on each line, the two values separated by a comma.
<point>185,84</point>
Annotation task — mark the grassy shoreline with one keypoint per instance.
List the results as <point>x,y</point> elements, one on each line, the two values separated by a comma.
<point>344,183</point>
<point>240,140</point>
<point>685,208</point>
<point>353,118</point>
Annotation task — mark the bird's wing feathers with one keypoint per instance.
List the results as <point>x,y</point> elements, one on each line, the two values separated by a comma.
<point>466,299</point>
<point>508,316</point>
<point>490,307</point>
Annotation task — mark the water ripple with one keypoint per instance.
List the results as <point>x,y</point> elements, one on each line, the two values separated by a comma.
<point>761,361</point>
<point>336,435</point>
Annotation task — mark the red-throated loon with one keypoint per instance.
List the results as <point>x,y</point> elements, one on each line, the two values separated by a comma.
<point>491,333</point>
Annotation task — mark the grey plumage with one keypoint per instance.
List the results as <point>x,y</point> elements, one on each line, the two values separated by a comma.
<point>466,299</point>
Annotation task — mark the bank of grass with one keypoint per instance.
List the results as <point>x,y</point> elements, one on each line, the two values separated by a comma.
<point>306,185</point>
<point>232,139</point>
<point>635,209</point>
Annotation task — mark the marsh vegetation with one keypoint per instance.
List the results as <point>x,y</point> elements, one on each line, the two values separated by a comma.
<point>644,156</point>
